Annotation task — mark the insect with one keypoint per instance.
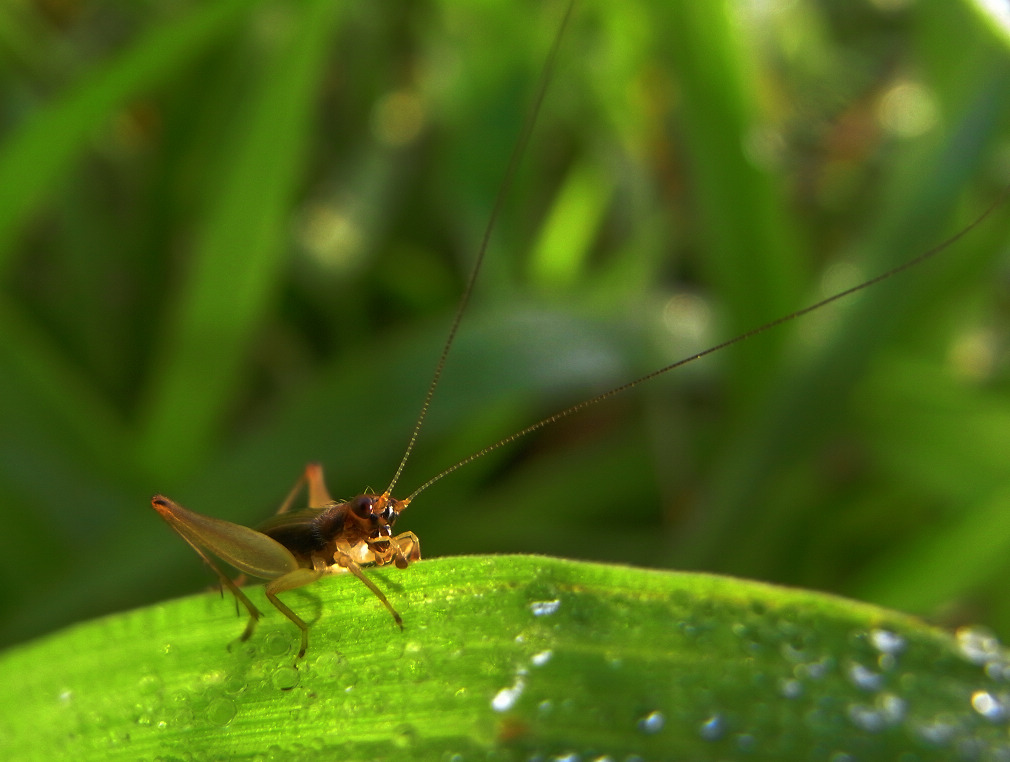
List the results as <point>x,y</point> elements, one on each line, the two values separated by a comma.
<point>298,547</point>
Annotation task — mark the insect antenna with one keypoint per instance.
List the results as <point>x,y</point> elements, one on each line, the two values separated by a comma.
<point>518,150</point>
<point>907,265</point>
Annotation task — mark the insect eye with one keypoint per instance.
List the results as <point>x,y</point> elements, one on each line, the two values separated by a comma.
<point>362,507</point>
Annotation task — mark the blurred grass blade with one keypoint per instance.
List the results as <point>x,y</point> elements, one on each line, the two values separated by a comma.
<point>559,258</point>
<point>234,270</point>
<point>47,395</point>
<point>921,575</point>
<point>957,447</point>
<point>805,404</point>
<point>751,253</point>
<point>524,656</point>
<point>43,148</point>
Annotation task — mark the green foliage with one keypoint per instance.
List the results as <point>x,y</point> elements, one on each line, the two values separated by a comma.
<point>232,236</point>
<point>513,657</point>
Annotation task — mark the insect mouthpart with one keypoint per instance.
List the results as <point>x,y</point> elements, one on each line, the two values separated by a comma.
<point>383,521</point>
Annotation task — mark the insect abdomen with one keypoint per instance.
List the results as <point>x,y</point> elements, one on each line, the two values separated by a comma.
<point>312,534</point>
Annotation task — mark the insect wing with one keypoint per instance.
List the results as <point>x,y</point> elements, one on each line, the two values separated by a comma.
<point>293,520</point>
<point>246,549</point>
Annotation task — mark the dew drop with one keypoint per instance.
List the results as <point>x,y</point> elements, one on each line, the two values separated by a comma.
<point>864,678</point>
<point>997,671</point>
<point>213,677</point>
<point>149,684</point>
<point>936,732</point>
<point>988,706</point>
<point>405,737</point>
<point>545,608</point>
<point>506,698</point>
<point>328,664</point>
<point>887,662</point>
<point>652,723</point>
<point>275,644</point>
<point>713,728</point>
<point>792,653</point>
<point>541,658</point>
<point>892,708</point>
<point>866,718</point>
<point>221,711</point>
<point>790,688</point>
<point>978,645</point>
<point>887,642</point>
<point>815,670</point>
<point>284,678</point>
<point>887,711</point>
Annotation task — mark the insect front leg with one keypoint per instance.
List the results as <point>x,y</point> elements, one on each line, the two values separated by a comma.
<point>402,550</point>
<point>343,560</point>
<point>406,549</point>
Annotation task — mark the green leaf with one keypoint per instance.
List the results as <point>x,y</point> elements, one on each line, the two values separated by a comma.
<point>512,657</point>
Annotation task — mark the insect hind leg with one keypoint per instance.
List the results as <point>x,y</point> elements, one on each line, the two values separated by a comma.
<point>318,494</point>
<point>293,579</point>
<point>226,582</point>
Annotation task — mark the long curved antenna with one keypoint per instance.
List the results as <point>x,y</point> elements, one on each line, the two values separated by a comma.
<point>518,150</point>
<point>735,340</point>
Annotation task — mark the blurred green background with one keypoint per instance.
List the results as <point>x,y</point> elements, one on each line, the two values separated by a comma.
<point>232,236</point>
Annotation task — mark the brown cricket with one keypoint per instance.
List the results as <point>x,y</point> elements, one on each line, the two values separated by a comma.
<point>295,548</point>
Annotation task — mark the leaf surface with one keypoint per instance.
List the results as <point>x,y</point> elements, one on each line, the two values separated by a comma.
<point>511,657</point>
